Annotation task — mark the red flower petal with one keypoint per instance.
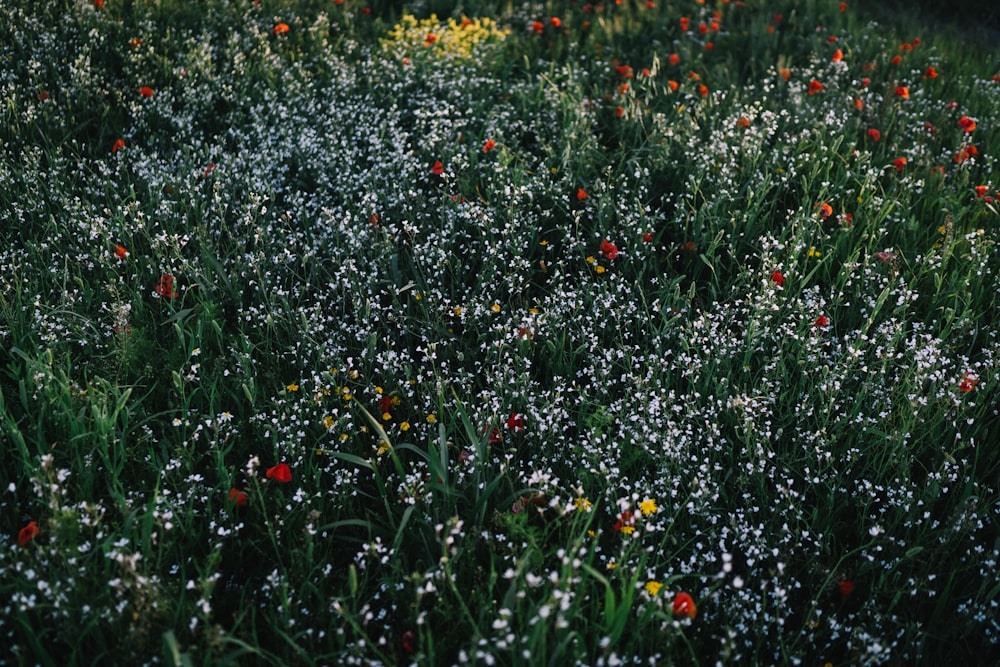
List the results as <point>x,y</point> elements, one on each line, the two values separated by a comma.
<point>280,473</point>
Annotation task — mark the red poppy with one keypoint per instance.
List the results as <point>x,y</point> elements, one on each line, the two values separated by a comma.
<point>673,85</point>
<point>965,153</point>
<point>843,7</point>
<point>279,473</point>
<point>647,237</point>
<point>874,134</point>
<point>626,520</point>
<point>238,498</point>
<point>515,422</point>
<point>825,210</point>
<point>703,90</point>
<point>896,60</point>
<point>619,112</point>
<point>930,73</point>
<point>281,29</point>
<point>821,321</point>
<point>385,404</point>
<point>489,145</point>
<point>625,71</point>
<point>966,124</point>
<point>409,641</point>
<point>120,251</point>
<point>865,82</point>
<point>903,92</point>
<point>980,191</point>
<point>581,194</point>
<point>685,23</point>
<point>742,121</point>
<point>899,163</point>
<point>118,145</point>
<point>165,288</point>
<point>608,249</point>
<point>684,606</point>
<point>28,533</point>
<point>845,587</point>
<point>438,168</point>
<point>556,22</point>
<point>838,55</point>
<point>815,87</point>
<point>673,59</point>
<point>430,39</point>
<point>496,437</point>
<point>967,384</point>
<point>146,91</point>
<point>538,27</point>
<point>777,278</point>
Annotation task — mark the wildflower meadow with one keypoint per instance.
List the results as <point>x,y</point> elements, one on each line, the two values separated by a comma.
<point>350,332</point>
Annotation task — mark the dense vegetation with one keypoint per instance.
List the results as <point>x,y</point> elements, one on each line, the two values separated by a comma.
<point>377,333</point>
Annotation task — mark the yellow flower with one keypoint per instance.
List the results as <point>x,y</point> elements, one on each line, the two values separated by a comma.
<point>495,307</point>
<point>612,565</point>
<point>344,437</point>
<point>383,447</point>
<point>628,530</point>
<point>431,418</point>
<point>292,387</point>
<point>653,587</point>
<point>581,504</point>
<point>648,506</point>
<point>599,269</point>
<point>328,422</point>
<point>405,426</point>
<point>590,259</point>
<point>457,310</point>
<point>386,416</point>
<point>813,252</point>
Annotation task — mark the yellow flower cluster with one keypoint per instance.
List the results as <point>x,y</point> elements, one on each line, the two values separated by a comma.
<point>451,39</point>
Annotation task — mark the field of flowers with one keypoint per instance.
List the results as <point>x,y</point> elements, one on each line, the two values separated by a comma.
<point>347,332</point>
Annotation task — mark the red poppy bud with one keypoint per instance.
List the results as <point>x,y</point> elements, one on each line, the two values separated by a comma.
<point>684,606</point>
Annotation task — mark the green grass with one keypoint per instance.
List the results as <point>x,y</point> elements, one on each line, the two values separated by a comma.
<point>548,325</point>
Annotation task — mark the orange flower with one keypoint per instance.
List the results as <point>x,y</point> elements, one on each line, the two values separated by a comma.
<point>673,85</point>
<point>581,194</point>
<point>966,124</point>
<point>118,145</point>
<point>980,191</point>
<point>903,91</point>
<point>825,210</point>
<point>146,91</point>
<point>967,384</point>
<point>281,29</point>
<point>859,104</point>
<point>28,533</point>
<point>930,73</point>
<point>815,87</point>
<point>899,163</point>
<point>120,251</point>
<point>703,90</point>
<point>742,121</point>
<point>673,59</point>
<point>838,55</point>
<point>430,39</point>
<point>684,606</point>
<point>556,22</point>
<point>489,145</point>
<point>785,73</point>
<point>625,71</point>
